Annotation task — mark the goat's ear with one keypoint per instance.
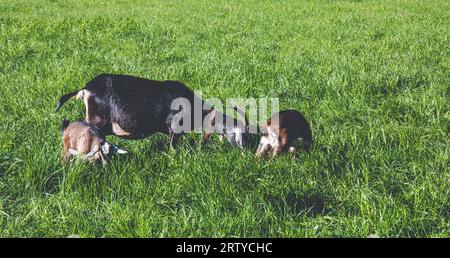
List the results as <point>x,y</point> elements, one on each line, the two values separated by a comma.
<point>116,149</point>
<point>120,151</point>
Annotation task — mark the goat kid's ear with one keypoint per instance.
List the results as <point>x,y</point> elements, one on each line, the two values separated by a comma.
<point>116,149</point>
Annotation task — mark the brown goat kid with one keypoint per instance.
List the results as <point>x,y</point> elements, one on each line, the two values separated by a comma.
<point>283,129</point>
<point>84,139</point>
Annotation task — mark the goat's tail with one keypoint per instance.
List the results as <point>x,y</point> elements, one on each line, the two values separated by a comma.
<point>65,98</point>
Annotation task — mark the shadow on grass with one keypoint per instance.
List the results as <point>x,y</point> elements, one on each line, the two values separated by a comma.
<point>52,182</point>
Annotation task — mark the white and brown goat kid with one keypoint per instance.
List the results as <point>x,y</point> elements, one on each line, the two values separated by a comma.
<point>282,130</point>
<point>83,139</point>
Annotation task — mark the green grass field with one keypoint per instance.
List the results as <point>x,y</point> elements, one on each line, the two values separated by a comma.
<point>372,77</point>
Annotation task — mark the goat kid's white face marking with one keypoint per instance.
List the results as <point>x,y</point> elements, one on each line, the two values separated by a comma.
<point>264,140</point>
<point>267,142</point>
<point>269,139</point>
<point>106,148</point>
<point>272,134</point>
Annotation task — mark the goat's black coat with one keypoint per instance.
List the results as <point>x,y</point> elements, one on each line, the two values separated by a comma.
<point>139,106</point>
